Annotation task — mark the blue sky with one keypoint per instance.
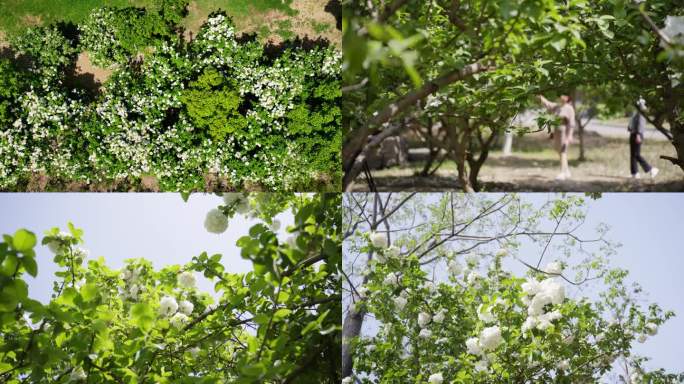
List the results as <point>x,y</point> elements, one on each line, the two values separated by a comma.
<point>160,227</point>
<point>649,228</point>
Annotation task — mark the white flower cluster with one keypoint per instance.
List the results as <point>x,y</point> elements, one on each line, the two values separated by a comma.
<point>131,277</point>
<point>58,245</point>
<point>548,291</point>
<point>216,221</point>
<point>488,340</point>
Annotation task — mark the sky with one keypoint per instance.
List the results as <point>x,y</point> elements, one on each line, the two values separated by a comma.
<point>160,227</point>
<point>649,228</point>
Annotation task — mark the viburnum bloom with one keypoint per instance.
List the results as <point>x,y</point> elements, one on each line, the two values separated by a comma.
<point>481,366</point>
<point>275,225</point>
<point>362,291</point>
<point>179,320</point>
<point>77,374</point>
<point>472,259</point>
<point>167,306</point>
<point>455,268</point>
<point>186,279</point>
<point>400,302</point>
<point>564,365</point>
<point>216,221</point>
<point>392,252</point>
<point>232,197</point>
<point>435,378</point>
<point>490,338</point>
<point>439,316</point>
<point>186,307</point>
<point>425,333</point>
<point>554,268</point>
<point>651,329</point>
<point>473,346</point>
<point>378,240</point>
<point>424,319</point>
<point>485,314</point>
<point>393,279</point>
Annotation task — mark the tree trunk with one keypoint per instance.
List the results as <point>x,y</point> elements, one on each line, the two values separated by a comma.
<point>351,329</point>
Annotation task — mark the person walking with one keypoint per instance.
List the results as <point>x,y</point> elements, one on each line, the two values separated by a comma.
<point>562,135</point>
<point>636,128</point>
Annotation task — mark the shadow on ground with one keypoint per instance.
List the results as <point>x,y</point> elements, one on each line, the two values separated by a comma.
<point>533,184</point>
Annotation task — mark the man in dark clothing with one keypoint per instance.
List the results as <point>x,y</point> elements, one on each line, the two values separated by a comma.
<point>636,128</point>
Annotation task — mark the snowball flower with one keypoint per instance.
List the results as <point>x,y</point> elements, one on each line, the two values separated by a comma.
<point>554,268</point>
<point>485,315</point>
<point>378,240</point>
<point>77,374</point>
<point>472,277</point>
<point>55,246</point>
<point>564,365</point>
<point>530,323</point>
<point>186,279</point>
<point>380,257</point>
<point>435,378</point>
<point>392,252</point>
<point>635,378</point>
<point>651,329</point>
<point>81,252</point>
<point>400,302</point>
<point>186,307</point>
<point>362,291</point>
<point>531,287</point>
<point>674,29</point>
<point>424,319</point>
<point>455,268</point>
<point>490,338</point>
<point>481,366</point>
<point>425,333</point>
<point>216,221</point>
<point>642,338</point>
<point>179,320</point>
<point>275,225</point>
<point>392,279</point>
<point>242,206</point>
<point>473,346</point>
<point>230,198</point>
<point>502,252</point>
<point>168,306</point>
<point>439,316</point>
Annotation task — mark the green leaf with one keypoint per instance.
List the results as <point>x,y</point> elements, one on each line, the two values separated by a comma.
<point>280,314</point>
<point>23,240</point>
<point>142,316</point>
<point>30,264</point>
<point>89,291</point>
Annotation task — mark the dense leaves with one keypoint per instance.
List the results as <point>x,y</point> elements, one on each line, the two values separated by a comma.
<point>276,324</point>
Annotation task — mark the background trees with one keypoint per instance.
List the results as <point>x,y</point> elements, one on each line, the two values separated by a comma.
<point>484,58</point>
<point>486,288</point>
<point>277,324</point>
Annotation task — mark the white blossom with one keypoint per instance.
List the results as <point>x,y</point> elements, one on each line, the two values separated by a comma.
<point>186,279</point>
<point>473,346</point>
<point>378,240</point>
<point>347,380</point>
<point>186,307</point>
<point>435,378</point>
<point>490,338</point>
<point>455,268</point>
<point>564,365</point>
<point>275,225</point>
<point>439,316</point>
<point>216,221</point>
<point>179,320</point>
<point>424,319</point>
<point>167,306</point>
<point>486,314</point>
<point>554,268</point>
<point>651,329</point>
<point>400,302</point>
<point>77,374</point>
<point>425,333</point>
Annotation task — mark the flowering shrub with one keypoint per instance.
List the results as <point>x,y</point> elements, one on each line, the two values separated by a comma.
<point>277,323</point>
<point>215,107</point>
<point>448,311</point>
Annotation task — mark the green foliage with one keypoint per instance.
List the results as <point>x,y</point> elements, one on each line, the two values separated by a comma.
<point>48,50</point>
<point>215,113</point>
<point>212,105</point>
<point>103,325</point>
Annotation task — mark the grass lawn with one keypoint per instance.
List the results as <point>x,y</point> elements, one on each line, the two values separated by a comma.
<point>270,19</point>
